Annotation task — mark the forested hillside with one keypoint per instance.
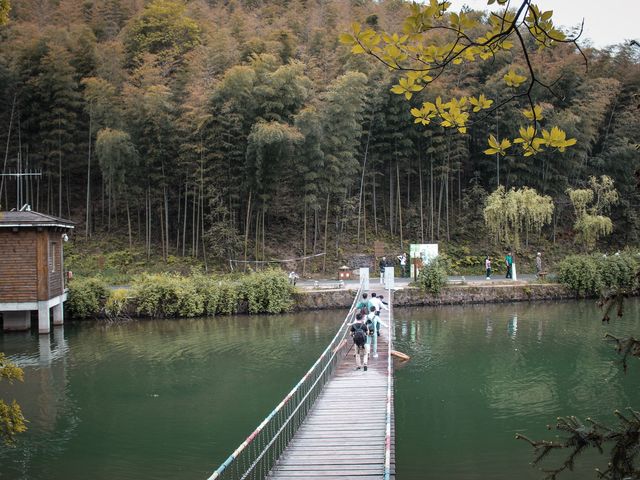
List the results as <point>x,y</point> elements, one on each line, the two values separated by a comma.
<point>244,129</point>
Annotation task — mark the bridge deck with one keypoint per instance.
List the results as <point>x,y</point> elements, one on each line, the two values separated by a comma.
<point>343,436</point>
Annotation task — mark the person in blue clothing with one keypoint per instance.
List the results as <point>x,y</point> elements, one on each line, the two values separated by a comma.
<point>509,262</point>
<point>363,305</point>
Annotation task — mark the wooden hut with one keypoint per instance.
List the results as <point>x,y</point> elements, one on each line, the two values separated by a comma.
<point>32,275</point>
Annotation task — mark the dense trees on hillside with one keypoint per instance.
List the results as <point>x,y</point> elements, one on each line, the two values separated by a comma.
<point>234,129</point>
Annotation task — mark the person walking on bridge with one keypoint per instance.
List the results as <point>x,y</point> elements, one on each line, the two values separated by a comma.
<point>363,305</point>
<point>360,335</point>
<point>377,304</point>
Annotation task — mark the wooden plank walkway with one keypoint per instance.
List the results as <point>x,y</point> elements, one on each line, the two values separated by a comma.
<point>343,436</point>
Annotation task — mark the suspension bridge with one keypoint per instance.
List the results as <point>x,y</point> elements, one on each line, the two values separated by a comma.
<point>336,423</point>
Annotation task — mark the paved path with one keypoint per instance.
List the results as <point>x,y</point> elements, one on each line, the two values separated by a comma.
<point>400,283</point>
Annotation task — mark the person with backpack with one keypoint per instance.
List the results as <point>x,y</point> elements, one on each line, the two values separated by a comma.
<point>360,335</point>
<point>373,322</point>
<point>363,305</point>
<point>377,304</point>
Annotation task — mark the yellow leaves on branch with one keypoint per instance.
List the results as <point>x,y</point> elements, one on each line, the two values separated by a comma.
<point>421,57</point>
<point>409,51</point>
<point>530,143</point>
<point>453,114</point>
<point>455,117</point>
<point>425,114</point>
<point>535,114</point>
<point>541,27</point>
<point>557,139</point>
<point>406,87</point>
<point>497,147</point>
<point>512,79</point>
<point>480,103</point>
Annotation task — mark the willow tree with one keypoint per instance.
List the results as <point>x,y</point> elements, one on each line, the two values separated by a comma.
<point>508,214</point>
<point>433,41</point>
<point>589,205</point>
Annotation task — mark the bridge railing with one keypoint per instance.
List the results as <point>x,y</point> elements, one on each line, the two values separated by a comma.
<point>256,456</point>
<point>389,412</point>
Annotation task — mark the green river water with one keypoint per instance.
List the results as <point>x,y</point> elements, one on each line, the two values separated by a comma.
<point>171,399</point>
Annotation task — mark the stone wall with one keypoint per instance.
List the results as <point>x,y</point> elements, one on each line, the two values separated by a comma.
<point>451,295</point>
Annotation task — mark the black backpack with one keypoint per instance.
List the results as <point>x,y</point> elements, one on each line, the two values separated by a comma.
<point>359,334</point>
<point>370,326</point>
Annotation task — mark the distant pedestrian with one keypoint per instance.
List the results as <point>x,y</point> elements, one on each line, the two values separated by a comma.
<point>403,264</point>
<point>508,260</point>
<point>487,266</point>
<point>293,277</point>
<point>538,264</point>
<point>383,265</point>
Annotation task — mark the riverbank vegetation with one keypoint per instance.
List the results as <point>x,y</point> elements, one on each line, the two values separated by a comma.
<point>167,295</point>
<point>433,276</point>
<point>599,275</point>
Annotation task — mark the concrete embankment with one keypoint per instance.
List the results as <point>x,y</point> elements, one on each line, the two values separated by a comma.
<point>450,295</point>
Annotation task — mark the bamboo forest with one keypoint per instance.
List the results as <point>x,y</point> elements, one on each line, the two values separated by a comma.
<point>246,129</point>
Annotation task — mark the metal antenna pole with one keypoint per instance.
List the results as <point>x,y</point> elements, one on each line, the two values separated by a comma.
<point>18,176</point>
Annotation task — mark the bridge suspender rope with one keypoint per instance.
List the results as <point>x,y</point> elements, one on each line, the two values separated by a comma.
<point>256,456</point>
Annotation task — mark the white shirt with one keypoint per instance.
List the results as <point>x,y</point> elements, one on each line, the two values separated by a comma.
<point>376,302</point>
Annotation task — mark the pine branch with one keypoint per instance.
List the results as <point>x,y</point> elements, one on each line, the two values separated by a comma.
<point>624,439</point>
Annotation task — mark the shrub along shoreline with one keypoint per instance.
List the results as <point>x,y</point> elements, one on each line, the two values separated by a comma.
<point>169,295</point>
<point>172,296</point>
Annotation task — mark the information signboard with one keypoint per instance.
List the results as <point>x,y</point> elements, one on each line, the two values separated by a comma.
<point>421,254</point>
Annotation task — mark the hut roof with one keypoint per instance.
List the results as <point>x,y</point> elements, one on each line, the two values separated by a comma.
<point>32,219</point>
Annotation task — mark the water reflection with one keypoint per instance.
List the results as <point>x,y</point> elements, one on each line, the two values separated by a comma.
<point>152,399</point>
<point>512,326</point>
<point>488,327</point>
<point>468,389</point>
